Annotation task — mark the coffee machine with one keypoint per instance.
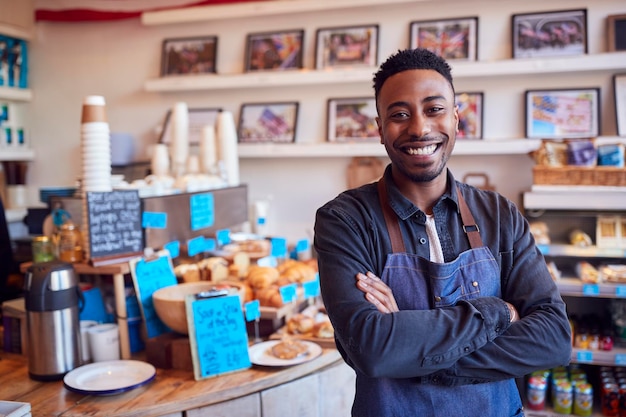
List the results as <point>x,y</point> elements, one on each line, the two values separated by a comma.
<point>52,299</point>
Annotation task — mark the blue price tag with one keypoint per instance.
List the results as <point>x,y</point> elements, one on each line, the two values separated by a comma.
<point>302,245</point>
<point>253,310</point>
<point>223,237</point>
<point>288,293</point>
<point>279,247</point>
<point>620,291</point>
<point>311,288</point>
<point>195,245</point>
<point>591,289</point>
<point>584,356</point>
<point>201,211</point>
<point>173,248</point>
<point>153,220</point>
<point>620,359</point>
<point>209,244</point>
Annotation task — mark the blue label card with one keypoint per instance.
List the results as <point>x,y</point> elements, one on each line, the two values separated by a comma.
<point>584,356</point>
<point>279,247</point>
<point>620,359</point>
<point>209,244</point>
<point>591,289</point>
<point>196,245</point>
<point>218,335</point>
<point>620,291</point>
<point>153,220</point>
<point>267,261</point>
<point>173,247</point>
<point>253,310</point>
<point>202,211</point>
<point>288,293</point>
<point>302,245</point>
<point>223,237</point>
<point>311,288</point>
<point>148,277</point>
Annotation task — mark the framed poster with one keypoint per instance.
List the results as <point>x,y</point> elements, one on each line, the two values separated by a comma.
<point>563,114</point>
<point>470,107</point>
<point>619,86</point>
<point>549,33</point>
<point>352,120</point>
<point>184,56</point>
<point>616,32</point>
<point>354,46</point>
<point>452,39</point>
<point>274,51</point>
<point>268,122</point>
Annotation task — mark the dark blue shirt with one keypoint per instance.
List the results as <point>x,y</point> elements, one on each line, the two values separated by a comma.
<point>351,236</point>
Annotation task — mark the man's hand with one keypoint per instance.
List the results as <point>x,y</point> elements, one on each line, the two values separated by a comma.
<point>377,292</point>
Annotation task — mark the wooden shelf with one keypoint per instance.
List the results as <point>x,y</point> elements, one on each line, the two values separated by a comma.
<point>574,287</point>
<point>15,31</point>
<point>329,150</point>
<point>575,197</point>
<point>17,154</point>
<point>273,79</point>
<point>15,94</point>
<point>615,357</point>
<point>578,252</point>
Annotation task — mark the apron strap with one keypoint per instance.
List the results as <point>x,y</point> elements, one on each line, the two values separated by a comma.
<point>469,224</point>
<point>470,227</point>
<point>393,226</point>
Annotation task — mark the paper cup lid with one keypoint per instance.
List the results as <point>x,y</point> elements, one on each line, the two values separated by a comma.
<point>94,100</point>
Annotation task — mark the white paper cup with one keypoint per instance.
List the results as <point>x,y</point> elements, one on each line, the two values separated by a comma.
<point>85,353</point>
<point>104,342</point>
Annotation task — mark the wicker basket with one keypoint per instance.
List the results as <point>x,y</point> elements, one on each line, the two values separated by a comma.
<point>570,175</point>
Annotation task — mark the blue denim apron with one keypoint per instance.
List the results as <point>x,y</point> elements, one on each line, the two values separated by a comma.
<point>419,284</point>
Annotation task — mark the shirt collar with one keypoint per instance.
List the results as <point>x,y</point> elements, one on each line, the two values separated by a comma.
<point>405,208</point>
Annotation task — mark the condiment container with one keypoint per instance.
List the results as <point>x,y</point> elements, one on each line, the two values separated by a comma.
<point>43,249</point>
<point>70,243</point>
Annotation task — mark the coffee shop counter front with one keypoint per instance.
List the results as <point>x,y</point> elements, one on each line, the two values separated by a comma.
<point>322,387</point>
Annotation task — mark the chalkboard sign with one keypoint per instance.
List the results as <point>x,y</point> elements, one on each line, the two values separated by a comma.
<point>217,334</point>
<point>150,275</point>
<point>115,231</point>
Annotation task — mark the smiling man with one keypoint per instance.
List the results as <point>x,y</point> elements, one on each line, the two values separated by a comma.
<point>436,290</point>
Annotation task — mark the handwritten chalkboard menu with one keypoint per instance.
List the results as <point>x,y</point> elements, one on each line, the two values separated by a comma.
<point>114,225</point>
<point>217,334</point>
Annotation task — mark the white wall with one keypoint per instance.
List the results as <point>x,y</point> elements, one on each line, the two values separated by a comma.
<point>71,60</point>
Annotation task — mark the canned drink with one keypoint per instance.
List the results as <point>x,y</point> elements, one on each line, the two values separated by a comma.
<point>563,397</point>
<point>622,400</point>
<point>610,399</point>
<point>536,392</point>
<point>583,400</point>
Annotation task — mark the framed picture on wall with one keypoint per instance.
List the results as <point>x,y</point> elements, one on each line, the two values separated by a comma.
<point>563,113</point>
<point>268,122</point>
<point>546,34</point>
<point>619,85</point>
<point>452,39</point>
<point>470,107</point>
<point>616,32</point>
<point>198,118</point>
<point>354,46</point>
<point>184,56</point>
<point>352,120</point>
<point>274,51</point>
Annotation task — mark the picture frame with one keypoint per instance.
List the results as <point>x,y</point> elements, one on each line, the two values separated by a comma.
<point>619,87</point>
<point>452,39</point>
<point>546,34</point>
<point>563,113</point>
<point>268,122</point>
<point>198,119</point>
<point>188,56</point>
<point>352,120</point>
<point>274,51</point>
<point>351,46</point>
<point>616,32</point>
<point>471,116</point>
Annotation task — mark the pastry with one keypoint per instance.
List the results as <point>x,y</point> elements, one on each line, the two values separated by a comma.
<point>187,272</point>
<point>262,276</point>
<point>297,272</point>
<point>323,330</point>
<point>300,324</point>
<point>289,349</point>
<point>269,296</point>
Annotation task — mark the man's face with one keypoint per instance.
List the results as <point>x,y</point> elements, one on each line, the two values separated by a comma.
<point>417,123</point>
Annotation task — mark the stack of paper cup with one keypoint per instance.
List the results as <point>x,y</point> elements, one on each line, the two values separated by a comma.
<point>227,145</point>
<point>95,147</point>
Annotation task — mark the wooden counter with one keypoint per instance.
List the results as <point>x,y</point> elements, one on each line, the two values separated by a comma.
<point>321,387</point>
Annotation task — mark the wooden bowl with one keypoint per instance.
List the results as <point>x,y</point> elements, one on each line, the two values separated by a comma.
<point>169,302</point>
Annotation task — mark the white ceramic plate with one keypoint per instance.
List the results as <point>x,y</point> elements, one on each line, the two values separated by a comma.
<point>109,377</point>
<point>260,354</point>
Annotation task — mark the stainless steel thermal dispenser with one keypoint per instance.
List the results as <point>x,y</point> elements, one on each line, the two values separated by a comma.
<point>51,300</point>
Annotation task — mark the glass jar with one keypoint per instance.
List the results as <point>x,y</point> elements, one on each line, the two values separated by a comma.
<point>70,243</point>
<point>43,249</point>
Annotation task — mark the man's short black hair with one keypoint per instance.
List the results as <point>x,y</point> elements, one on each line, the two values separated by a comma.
<point>410,59</point>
